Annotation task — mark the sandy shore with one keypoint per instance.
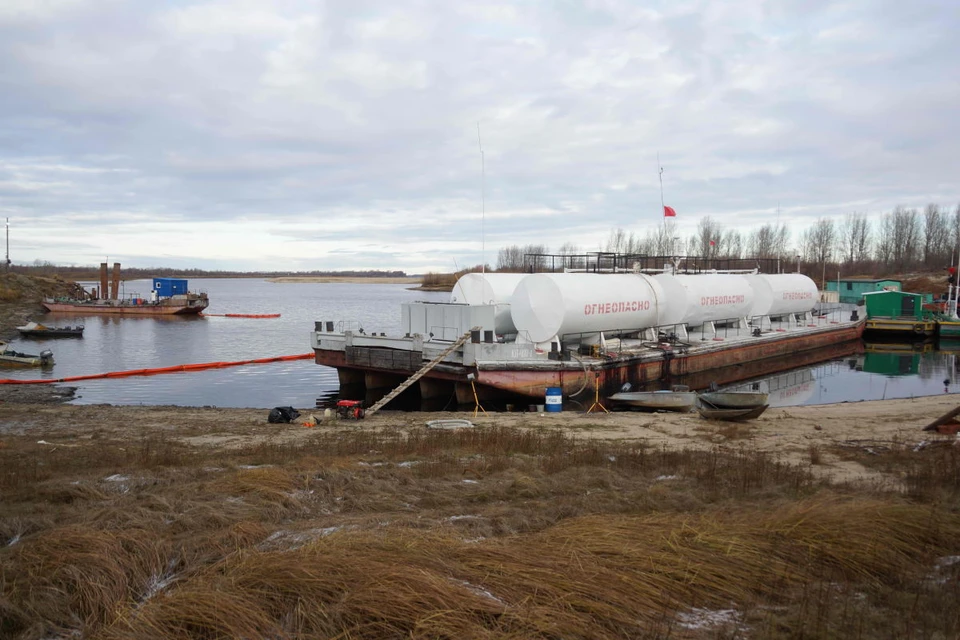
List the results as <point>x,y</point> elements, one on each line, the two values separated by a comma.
<point>815,436</point>
<point>343,279</point>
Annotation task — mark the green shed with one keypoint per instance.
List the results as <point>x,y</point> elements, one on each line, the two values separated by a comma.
<point>894,304</point>
<point>852,289</point>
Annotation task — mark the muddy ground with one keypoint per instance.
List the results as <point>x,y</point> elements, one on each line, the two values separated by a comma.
<point>816,436</point>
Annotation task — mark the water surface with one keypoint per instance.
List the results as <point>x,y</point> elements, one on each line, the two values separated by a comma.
<point>113,343</point>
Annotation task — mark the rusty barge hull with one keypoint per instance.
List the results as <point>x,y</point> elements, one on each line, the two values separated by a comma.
<point>697,369</point>
<point>696,365</point>
<point>126,309</point>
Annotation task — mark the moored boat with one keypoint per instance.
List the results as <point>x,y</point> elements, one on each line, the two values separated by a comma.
<point>11,357</point>
<point>744,413</point>
<point>179,305</point>
<point>680,401</point>
<point>36,330</point>
<point>733,399</point>
<point>168,296</point>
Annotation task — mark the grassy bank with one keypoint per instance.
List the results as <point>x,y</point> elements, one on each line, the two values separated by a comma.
<point>493,532</point>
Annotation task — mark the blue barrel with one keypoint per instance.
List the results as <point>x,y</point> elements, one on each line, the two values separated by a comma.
<point>554,399</point>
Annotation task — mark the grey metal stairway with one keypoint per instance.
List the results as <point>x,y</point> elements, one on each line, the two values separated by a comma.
<point>419,374</point>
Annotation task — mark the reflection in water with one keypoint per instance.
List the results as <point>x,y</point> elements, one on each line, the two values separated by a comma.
<point>882,371</point>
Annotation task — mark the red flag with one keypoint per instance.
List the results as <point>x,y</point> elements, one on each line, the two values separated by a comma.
<point>668,212</point>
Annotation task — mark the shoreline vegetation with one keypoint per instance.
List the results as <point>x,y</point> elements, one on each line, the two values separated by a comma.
<point>169,522</point>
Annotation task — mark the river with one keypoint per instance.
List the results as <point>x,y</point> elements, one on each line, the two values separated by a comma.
<point>113,343</point>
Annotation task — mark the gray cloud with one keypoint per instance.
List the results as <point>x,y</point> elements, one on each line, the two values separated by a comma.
<point>295,134</point>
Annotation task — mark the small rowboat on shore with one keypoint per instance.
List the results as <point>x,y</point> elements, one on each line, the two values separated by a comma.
<point>714,413</point>
<point>681,401</point>
<point>733,399</point>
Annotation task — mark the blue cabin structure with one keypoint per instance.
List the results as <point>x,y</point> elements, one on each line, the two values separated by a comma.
<point>167,287</point>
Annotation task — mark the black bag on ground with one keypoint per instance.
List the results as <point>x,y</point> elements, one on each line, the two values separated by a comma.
<point>282,414</point>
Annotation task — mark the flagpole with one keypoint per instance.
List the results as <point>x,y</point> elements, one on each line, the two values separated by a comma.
<point>663,210</point>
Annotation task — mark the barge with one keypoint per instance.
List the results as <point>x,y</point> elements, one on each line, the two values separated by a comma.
<point>590,333</point>
<point>168,296</point>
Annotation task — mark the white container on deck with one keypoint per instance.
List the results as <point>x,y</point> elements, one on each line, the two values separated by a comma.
<point>779,293</point>
<point>696,299</point>
<point>489,288</point>
<point>548,305</point>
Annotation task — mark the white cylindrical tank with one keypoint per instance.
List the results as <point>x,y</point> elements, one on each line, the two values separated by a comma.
<point>696,299</point>
<point>489,288</point>
<point>545,305</point>
<point>674,304</point>
<point>779,293</point>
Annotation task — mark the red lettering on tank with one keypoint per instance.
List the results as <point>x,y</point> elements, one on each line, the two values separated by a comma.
<point>624,306</point>
<point>711,301</point>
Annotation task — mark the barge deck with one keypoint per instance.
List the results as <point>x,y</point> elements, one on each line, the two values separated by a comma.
<point>723,352</point>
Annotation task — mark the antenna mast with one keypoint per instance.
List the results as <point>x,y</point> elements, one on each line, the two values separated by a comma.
<point>778,241</point>
<point>663,209</point>
<point>483,205</point>
<point>8,245</point>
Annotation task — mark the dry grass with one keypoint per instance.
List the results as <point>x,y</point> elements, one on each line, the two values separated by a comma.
<point>481,533</point>
<point>440,279</point>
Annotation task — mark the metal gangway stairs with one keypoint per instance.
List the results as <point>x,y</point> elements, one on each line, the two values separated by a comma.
<point>419,374</point>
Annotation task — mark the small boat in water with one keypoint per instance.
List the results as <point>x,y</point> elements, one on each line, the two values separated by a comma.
<point>733,399</point>
<point>681,401</point>
<point>11,357</point>
<point>744,413</point>
<point>36,330</point>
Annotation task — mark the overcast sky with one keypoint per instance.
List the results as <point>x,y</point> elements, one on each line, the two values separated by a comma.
<point>246,134</point>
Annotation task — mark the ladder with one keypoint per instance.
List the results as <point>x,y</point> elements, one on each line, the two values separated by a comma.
<point>419,374</point>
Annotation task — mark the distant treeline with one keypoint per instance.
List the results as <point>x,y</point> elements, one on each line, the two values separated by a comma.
<point>136,273</point>
<point>898,241</point>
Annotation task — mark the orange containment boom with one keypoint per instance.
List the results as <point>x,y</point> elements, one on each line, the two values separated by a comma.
<point>179,368</point>
<point>243,315</point>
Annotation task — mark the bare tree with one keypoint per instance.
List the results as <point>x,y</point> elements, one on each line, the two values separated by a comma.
<point>824,239</point>
<point>517,258</point>
<point>806,248</point>
<point>769,241</point>
<point>572,256</point>
<point>662,240</point>
<point>900,238</point>
<point>853,239</point>
<point>534,257</point>
<point>937,247</point>
<point>861,238</point>
<point>510,258</point>
<point>955,229</point>
<point>617,241</point>
<point>732,244</point>
<point>708,239</point>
